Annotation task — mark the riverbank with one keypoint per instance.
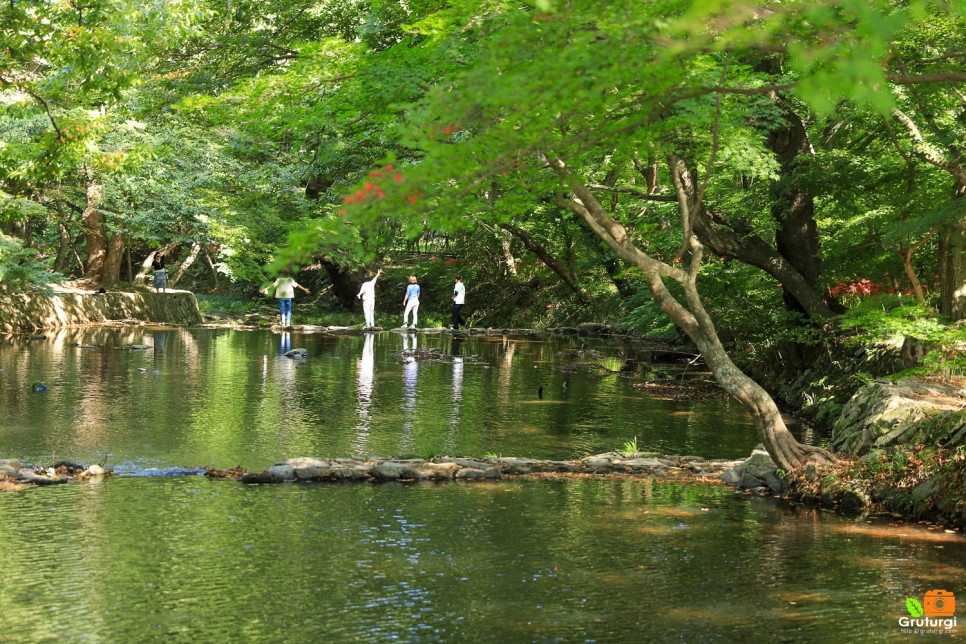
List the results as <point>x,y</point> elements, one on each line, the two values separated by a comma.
<point>904,444</point>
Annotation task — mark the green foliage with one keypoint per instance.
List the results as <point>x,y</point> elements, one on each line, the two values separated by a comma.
<point>630,447</point>
<point>277,136</point>
<point>889,318</point>
<point>19,268</point>
<point>884,318</point>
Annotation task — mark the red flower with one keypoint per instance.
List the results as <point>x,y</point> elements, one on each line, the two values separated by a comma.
<point>397,177</point>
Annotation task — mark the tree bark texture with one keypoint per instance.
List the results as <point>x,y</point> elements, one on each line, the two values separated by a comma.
<point>95,233</point>
<point>796,238</point>
<point>111,274</point>
<point>952,269</point>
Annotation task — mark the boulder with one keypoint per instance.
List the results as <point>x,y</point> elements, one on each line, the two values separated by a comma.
<point>392,471</point>
<point>748,482</point>
<point>759,464</point>
<point>883,414</point>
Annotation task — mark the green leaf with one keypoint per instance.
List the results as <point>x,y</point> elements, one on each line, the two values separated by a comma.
<point>914,607</point>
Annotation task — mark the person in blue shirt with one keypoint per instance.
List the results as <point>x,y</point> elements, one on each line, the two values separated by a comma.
<point>411,302</point>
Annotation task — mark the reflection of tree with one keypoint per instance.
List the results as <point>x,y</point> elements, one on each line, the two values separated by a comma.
<point>364,391</point>
<point>506,371</point>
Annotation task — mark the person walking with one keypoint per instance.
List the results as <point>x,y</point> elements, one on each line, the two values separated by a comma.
<point>368,296</point>
<point>411,302</point>
<point>459,297</point>
<point>285,292</point>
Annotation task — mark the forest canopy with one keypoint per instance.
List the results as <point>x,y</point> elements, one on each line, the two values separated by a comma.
<point>820,145</point>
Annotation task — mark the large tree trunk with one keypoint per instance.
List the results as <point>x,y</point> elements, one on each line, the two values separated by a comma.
<point>62,263</point>
<point>793,207</point>
<point>796,238</point>
<point>146,267</point>
<point>952,265</point>
<point>345,286</point>
<point>952,271</point>
<point>95,233</point>
<point>112,262</point>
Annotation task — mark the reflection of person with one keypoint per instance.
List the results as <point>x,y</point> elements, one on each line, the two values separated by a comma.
<point>364,393</point>
<point>285,292</point>
<point>160,275</point>
<point>411,302</point>
<point>410,373</point>
<point>368,295</point>
<point>409,343</point>
<point>285,343</point>
<point>459,296</point>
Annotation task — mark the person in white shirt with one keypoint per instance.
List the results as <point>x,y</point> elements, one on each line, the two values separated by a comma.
<point>459,297</point>
<point>285,292</point>
<point>411,302</point>
<point>368,296</point>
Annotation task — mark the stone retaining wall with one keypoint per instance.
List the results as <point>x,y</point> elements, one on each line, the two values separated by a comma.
<point>23,312</point>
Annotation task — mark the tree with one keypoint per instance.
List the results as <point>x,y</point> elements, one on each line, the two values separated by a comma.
<point>552,94</point>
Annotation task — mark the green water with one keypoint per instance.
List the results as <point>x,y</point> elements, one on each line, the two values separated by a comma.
<point>223,398</point>
<point>171,559</point>
<point>187,559</point>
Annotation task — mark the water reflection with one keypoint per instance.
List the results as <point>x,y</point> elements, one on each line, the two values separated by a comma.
<point>224,398</point>
<point>456,354</point>
<point>410,376</point>
<point>583,560</point>
<point>365,369</point>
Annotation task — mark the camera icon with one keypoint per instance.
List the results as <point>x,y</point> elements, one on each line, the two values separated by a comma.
<point>939,603</point>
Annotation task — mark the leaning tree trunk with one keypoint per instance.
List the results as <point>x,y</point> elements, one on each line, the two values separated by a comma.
<point>547,258</point>
<point>690,315</point>
<point>185,265</point>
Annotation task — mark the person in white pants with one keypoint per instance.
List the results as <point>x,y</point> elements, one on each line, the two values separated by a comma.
<point>411,302</point>
<point>368,295</point>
